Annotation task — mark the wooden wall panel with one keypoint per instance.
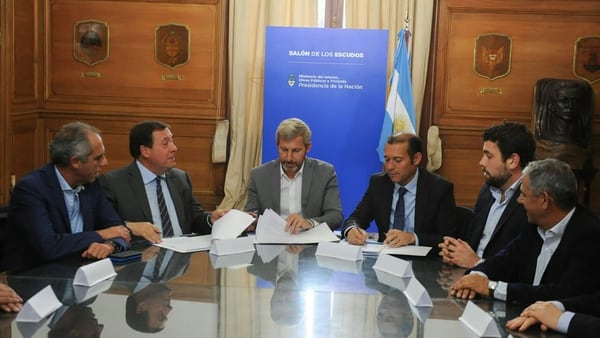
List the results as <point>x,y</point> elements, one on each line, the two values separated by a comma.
<point>132,86</point>
<point>131,77</point>
<point>543,36</point>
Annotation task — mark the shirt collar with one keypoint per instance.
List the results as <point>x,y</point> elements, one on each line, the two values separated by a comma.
<point>147,175</point>
<point>559,228</point>
<point>497,192</point>
<point>64,185</point>
<point>298,174</point>
<point>411,186</point>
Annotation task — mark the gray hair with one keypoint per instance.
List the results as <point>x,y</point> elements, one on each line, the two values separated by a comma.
<point>71,140</point>
<point>291,128</point>
<point>555,178</point>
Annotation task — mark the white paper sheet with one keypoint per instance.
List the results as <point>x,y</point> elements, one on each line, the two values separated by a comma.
<point>231,225</point>
<point>375,248</point>
<point>186,244</point>
<point>271,229</point>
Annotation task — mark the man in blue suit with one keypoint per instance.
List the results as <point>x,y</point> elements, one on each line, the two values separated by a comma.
<point>410,205</point>
<point>59,209</point>
<point>555,258</point>
<point>497,217</point>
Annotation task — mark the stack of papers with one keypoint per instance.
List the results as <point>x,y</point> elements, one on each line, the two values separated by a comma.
<point>376,248</point>
<point>271,230</point>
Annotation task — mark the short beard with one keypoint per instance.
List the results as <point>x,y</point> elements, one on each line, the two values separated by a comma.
<point>498,181</point>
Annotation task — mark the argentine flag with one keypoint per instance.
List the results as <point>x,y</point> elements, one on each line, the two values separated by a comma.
<point>399,110</point>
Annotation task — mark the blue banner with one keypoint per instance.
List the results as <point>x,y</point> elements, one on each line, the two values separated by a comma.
<point>334,80</point>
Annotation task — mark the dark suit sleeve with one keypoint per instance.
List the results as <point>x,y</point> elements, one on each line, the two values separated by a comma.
<point>571,270</point>
<point>363,214</point>
<point>199,216</point>
<point>583,326</point>
<point>35,216</point>
<point>440,220</point>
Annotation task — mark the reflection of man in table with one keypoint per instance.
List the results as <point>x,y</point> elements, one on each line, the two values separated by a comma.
<point>148,307</point>
<point>77,321</point>
<point>563,111</point>
<point>394,315</point>
<point>147,310</point>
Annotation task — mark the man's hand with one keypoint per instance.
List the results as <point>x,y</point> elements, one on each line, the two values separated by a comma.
<point>545,313</point>
<point>356,236</point>
<point>147,230</point>
<point>296,223</point>
<point>9,299</point>
<point>114,232</point>
<point>215,215</point>
<point>98,251</point>
<point>396,238</point>
<point>469,286</point>
<point>457,252</point>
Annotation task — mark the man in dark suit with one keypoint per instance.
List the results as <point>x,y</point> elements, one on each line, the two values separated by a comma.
<point>556,258</point>
<point>577,316</point>
<point>133,189</point>
<point>302,190</point>
<point>497,217</point>
<point>60,209</point>
<point>422,216</point>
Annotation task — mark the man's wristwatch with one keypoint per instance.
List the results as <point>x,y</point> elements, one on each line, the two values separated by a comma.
<point>492,285</point>
<point>116,246</point>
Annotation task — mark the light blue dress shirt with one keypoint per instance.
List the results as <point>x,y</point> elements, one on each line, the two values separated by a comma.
<point>149,180</point>
<point>71,196</point>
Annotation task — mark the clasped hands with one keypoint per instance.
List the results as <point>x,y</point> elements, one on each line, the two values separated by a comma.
<point>544,313</point>
<point>394,238</point>
<point>457,252</point>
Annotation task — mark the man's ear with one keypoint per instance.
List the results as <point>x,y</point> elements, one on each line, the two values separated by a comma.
<point>417,157</point>
<point>75,162</point>
<point>308,146</point>
<point>145,151</point>
<point>514,161</point>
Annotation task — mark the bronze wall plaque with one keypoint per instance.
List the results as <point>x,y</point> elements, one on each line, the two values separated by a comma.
<point>586,58</point>
<point>90,42</point>
<point>492,55</point>
<point>172,45</point>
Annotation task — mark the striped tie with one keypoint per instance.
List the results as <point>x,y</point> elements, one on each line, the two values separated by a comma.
<point>399,210</point>
<point>167,227</point>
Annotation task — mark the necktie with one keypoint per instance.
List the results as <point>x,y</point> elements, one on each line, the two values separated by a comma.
<point>167,227</point>
<point>399,211</point>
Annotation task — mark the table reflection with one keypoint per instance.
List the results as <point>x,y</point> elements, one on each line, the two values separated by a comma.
<point>281,291</point>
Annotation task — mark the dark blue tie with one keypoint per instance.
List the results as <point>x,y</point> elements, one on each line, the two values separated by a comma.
<point>399,211</point>
<point>167,227</point>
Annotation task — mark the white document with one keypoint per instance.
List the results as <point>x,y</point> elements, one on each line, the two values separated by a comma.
<point>231,225</point>
<point>93,273</point>
<point>416,293</point>
<point>232,246</point>
<point>394,266</point>
<point>186,244</point>
<point>38,307</point>
<point>479,321</point>
<point>339,250</point>
<point>375,248</point>
<point>271,229</point>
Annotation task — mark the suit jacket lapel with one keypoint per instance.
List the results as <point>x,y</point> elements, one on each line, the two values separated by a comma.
<point>510,207</point>
<point>175,196</point>
<point>136,184</point>
<point>56,190</point>
<point>421,199</point>
<point>307,176</point>
<point>275,176</point>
